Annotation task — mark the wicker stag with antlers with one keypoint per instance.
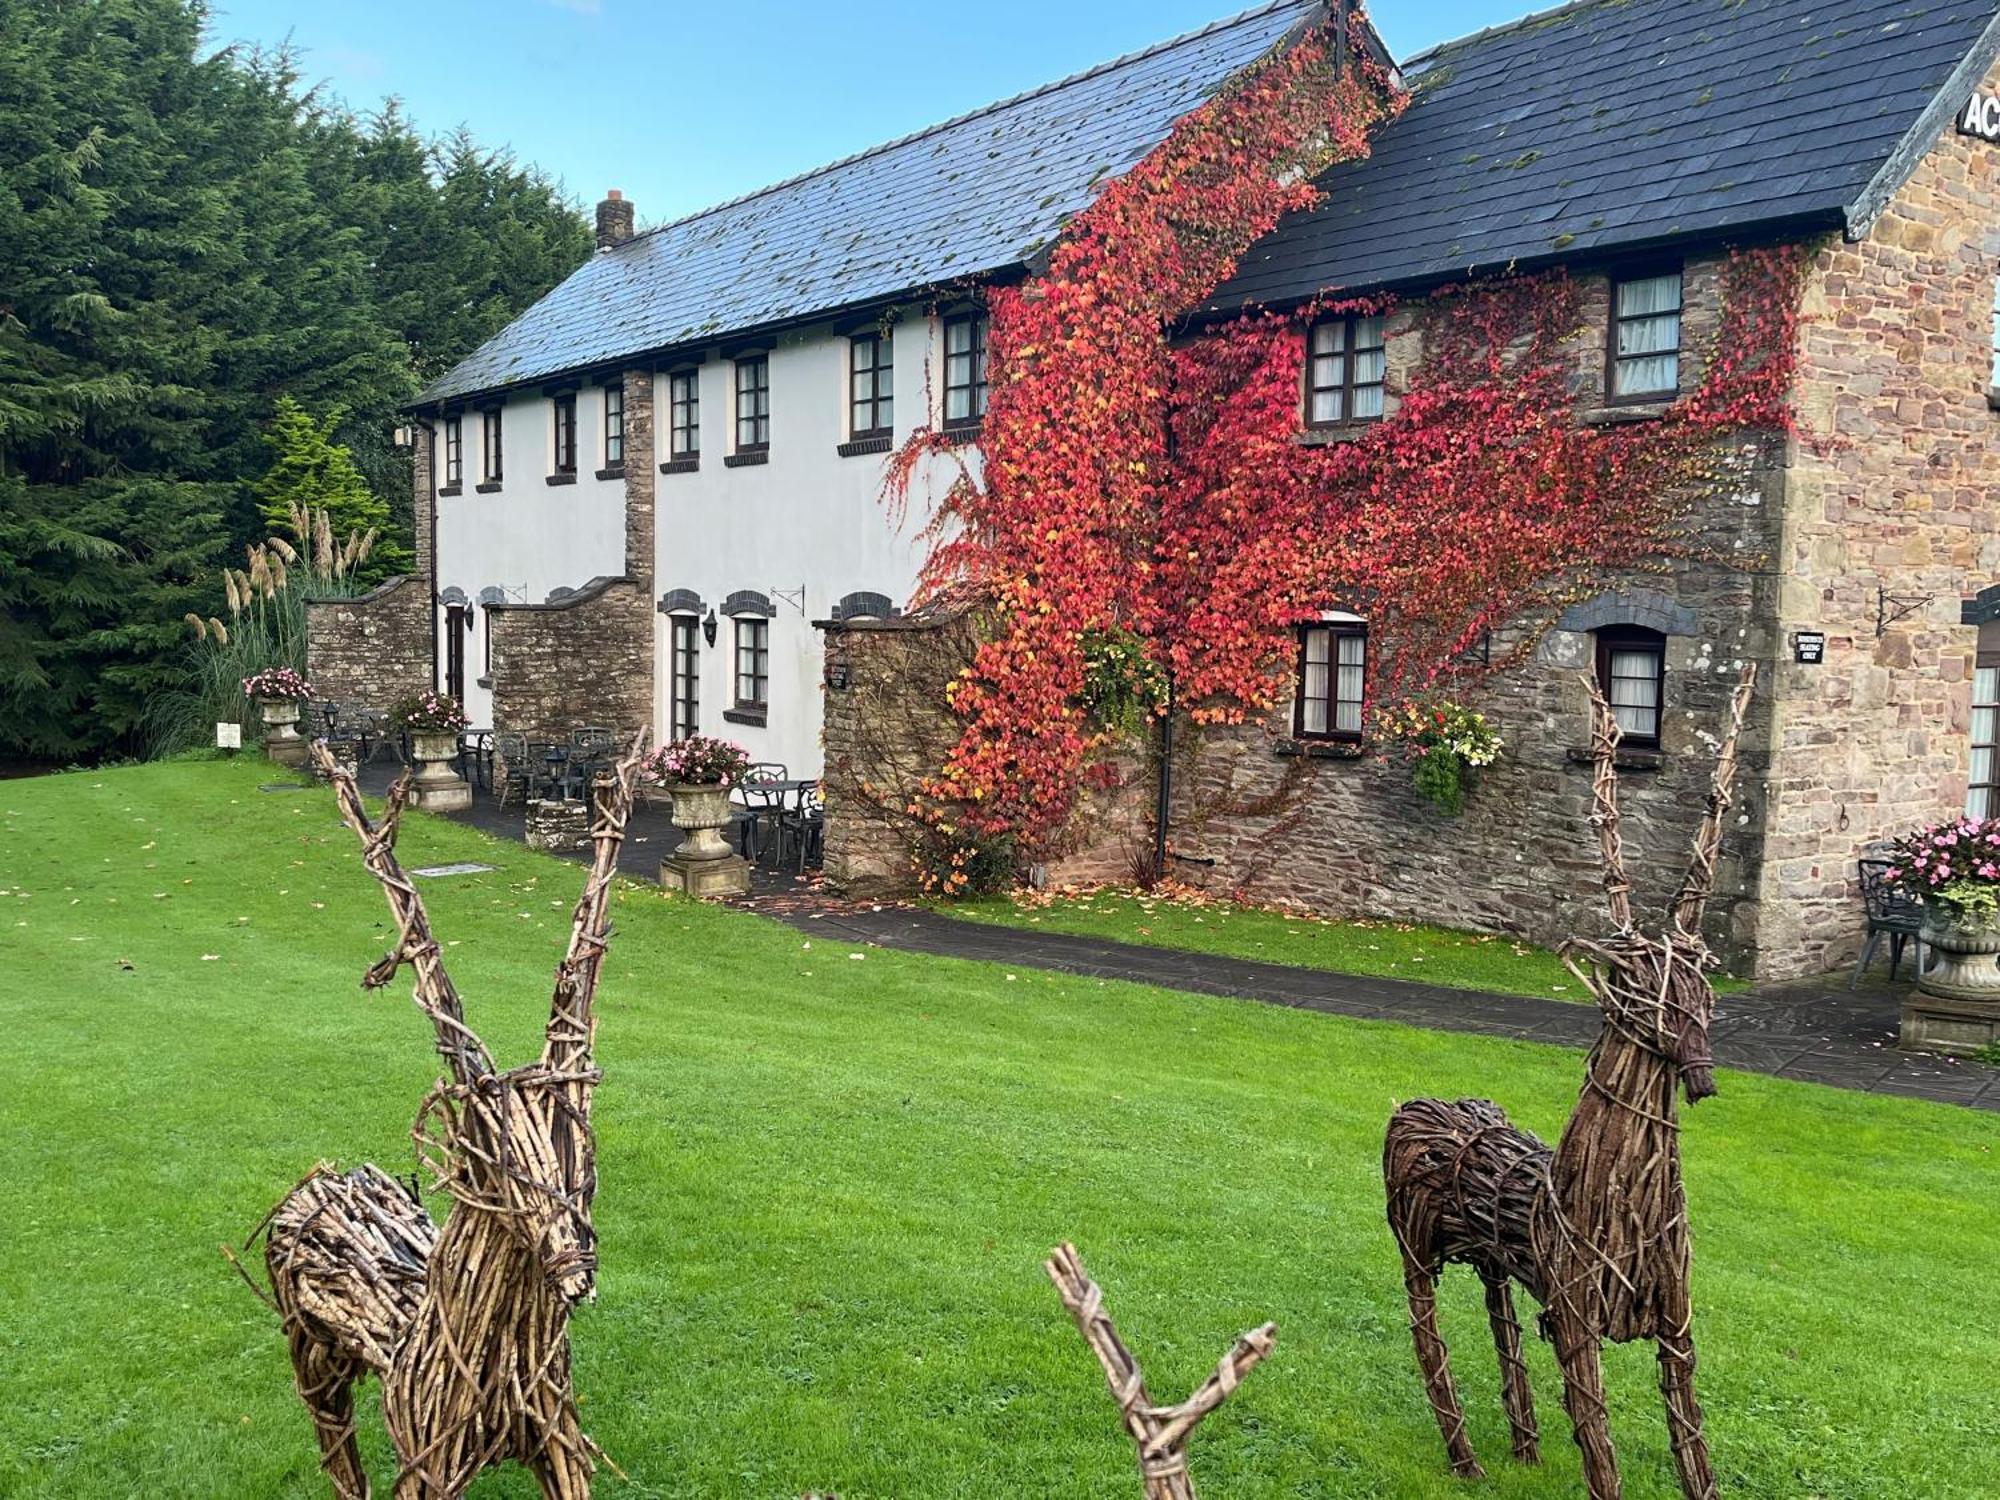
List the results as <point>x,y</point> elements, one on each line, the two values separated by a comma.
<point>467,1324</point>
<point>1595,1230</point>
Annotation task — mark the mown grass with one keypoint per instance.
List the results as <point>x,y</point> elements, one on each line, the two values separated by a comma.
<point>829,1176</point>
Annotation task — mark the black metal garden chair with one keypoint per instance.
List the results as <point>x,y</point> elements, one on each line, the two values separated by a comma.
<point>1892,913</point>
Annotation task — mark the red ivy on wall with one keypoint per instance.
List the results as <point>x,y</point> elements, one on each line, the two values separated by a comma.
<point>1131,486</point>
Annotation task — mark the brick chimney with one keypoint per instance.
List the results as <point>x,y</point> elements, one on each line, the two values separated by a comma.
<point>614,221</point>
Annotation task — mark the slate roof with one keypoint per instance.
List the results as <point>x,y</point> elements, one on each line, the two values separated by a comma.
<point>974,196</point>
<point>1611,125</point>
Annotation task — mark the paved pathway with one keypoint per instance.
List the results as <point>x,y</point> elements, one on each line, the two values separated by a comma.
<point>1817,1032</point>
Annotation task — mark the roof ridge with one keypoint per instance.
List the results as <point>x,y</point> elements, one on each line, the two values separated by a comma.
<point>1519,23</point>
<point>1125,60</point>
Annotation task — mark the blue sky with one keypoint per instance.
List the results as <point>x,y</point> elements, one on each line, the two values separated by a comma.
<point>729,95</point>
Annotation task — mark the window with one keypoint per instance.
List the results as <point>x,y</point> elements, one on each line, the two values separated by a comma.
<point>871,376</point>
<point>565,434</point>
<point>489,431</point>
<point>454,453</point>
<point>1982,798</point>
<point>684,694</point>
<point>753,404</point>
<point>1333,667</point>
<point>1632,674</point>
<point>753,662</point>
<point>1344,371</point>
<point>684,415</point>
<point>614,426</point>
<point>964,370</point>
<point>1645,354</point>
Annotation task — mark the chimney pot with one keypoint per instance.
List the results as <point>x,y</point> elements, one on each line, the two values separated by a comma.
<point>614,220</point>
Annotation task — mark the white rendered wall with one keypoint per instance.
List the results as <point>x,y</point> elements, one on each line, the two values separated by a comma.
<point>528,537</point>
<point>804,529</point>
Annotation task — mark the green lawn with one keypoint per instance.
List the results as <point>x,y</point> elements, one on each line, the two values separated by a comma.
<point>1393,950</point>
<point>828,1180</point>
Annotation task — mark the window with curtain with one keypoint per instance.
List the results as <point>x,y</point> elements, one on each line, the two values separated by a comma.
<point>684,415</point>
<point>489,433</point>
<point>614,425</point>
<point>753,662</point>
<point>871,385</point>
<point>684,670</point>
<point>1632,675</point>
<point>964,369</point>
<point>1645,336</point>
<point>1345,365</point>
<point>1982,798</point>
<point>1333,670</point>
<point>565,434</point>
<point>454,452</point>
<point>753,403</point>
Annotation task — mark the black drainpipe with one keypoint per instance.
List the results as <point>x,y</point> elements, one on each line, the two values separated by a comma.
<point>1160,811</point>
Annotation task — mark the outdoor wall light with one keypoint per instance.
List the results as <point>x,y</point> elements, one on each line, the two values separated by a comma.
<point>709,626</point>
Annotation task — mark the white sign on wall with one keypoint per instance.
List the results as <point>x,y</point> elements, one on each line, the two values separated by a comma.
<point>1981,116</point>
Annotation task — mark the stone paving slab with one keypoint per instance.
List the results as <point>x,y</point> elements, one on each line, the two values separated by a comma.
<point>1814,1033</point>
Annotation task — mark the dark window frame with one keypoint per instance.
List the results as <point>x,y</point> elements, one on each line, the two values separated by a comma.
<point>1644,271</point>
<point>752,634</point>
<point>564,450</point>
<point>614,424</point>
<point>454,453</point>
<point>683,686</point>
<point>879,406</point>
<point>1616,638</point>
<point>757,366</point>
<point>1334,630</point>
<point>1990,804</point>
<point>492,467</point>
<point>976,386</point>
<point>1347,386</point>
<point>683,415</point>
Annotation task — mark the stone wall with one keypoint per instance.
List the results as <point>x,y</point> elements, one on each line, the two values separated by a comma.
<point>373,650</point>
<point>1887,531</point>
<point>584,659</point>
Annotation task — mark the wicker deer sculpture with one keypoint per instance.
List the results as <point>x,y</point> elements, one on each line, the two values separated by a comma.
<point>467,1324</point>
<point>1596,1230</point>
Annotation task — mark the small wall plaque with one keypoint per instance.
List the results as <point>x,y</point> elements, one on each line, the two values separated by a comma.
<point>228,736</point>
<point>1809,647</point>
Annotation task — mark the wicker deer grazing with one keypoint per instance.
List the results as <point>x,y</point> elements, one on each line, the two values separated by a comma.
<point>1595,1230</point>
<point>467,1324</point>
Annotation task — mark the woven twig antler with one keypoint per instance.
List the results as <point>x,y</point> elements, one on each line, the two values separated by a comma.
<point>1604,738</point>
<point>1700,881</point>
<point>1160,1432</point>
<point>434,994</point>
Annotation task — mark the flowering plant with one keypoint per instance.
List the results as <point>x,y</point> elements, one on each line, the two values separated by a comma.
<point>430,713</point>
<point>276,682</point>
<point>700,760</point>
<point>1957,863</point>
<point>1445,740</point>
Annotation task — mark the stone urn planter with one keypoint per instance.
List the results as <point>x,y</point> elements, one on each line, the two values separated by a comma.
<point>1956,1005</point>
<point>282,740</point>
<point>704,864</point>
<point>438,788</point>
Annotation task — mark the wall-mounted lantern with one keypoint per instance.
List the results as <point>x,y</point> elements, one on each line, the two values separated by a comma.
<point>709,626</point>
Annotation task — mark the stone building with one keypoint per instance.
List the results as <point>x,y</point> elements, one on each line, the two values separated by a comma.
<point>1632,146</point>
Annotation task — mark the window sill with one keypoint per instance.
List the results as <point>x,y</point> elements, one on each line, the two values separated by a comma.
<point>746,460</point>
<point>491,487</point>
<point>1637,758</point>
<point>680,466</point>
<point>1612,413</point>
<point>857,447</point>
<point>560,479</point>
<point>611,471</point>
<point>484,682</point>
<point>1337,432</point>
<point>1320,750</point>
<point>964,432</point>
<point>754,717</point>
<point>449,490</point>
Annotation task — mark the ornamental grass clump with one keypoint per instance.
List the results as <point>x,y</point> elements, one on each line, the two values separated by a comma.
<point>699,760</point>
<point>1446,742</point>
<point>1955,863</point>
<point>276,682</point>
<point>429,713</point>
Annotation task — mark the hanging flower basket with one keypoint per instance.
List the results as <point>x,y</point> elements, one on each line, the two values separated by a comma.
<point>1446,743</point>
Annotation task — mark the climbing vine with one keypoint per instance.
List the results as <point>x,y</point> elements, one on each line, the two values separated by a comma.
<point>1136,491</point>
